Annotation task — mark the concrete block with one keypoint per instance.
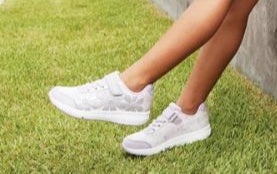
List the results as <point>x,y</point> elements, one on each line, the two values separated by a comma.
<point>257,57</point>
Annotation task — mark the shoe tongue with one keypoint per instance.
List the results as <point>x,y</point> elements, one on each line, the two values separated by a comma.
<point>171,109</point>
<point>112,81</point>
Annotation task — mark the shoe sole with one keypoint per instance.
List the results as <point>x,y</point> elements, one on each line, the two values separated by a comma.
<point>177,141</point>
<point>119,117</point>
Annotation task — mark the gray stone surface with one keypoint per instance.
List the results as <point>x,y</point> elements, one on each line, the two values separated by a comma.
<point>173,7</point>
<point>257,57</point>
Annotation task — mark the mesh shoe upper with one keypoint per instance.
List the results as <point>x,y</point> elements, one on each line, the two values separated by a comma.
<point>170,124</point>
<point>106,94</point>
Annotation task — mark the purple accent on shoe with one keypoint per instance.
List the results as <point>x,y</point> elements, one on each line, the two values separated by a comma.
<point>136,144</point>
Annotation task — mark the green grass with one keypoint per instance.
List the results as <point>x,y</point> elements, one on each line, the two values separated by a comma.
<point>44,43</point>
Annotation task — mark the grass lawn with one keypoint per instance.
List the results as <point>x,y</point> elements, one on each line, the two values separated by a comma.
<point>44,43</point>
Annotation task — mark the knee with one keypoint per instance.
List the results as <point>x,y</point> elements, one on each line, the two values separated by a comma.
<point>240,10</point>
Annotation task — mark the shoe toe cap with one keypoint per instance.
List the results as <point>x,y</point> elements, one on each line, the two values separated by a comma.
<point>62,95</point>
<point>135,144</point>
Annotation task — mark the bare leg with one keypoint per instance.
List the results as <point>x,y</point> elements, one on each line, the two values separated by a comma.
<point>194,28</point>
<point>215,56</point>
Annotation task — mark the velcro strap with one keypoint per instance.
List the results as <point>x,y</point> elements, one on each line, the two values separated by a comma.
<point>168,113</point>
<point>112,83</point>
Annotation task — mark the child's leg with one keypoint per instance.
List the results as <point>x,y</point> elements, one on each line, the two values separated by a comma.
<point>173,127</point>
<point>195,27</point>
<point>215,56</point>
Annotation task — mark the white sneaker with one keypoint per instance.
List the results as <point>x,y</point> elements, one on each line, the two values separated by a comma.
<point>107,99</point>
<point>172,128</point>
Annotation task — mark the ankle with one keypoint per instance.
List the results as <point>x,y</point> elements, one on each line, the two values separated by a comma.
<point>134,83</point>
<point>189,108</point>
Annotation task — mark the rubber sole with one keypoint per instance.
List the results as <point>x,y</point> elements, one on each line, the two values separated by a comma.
<point>119,117</point>
<point>177,141</point>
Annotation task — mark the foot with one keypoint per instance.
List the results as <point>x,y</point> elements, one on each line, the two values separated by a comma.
<point>107,99</point>
<point>172,128</point>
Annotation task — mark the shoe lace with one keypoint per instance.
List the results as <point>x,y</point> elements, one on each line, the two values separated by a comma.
<point>157,123</point>
<point>94,86</point>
